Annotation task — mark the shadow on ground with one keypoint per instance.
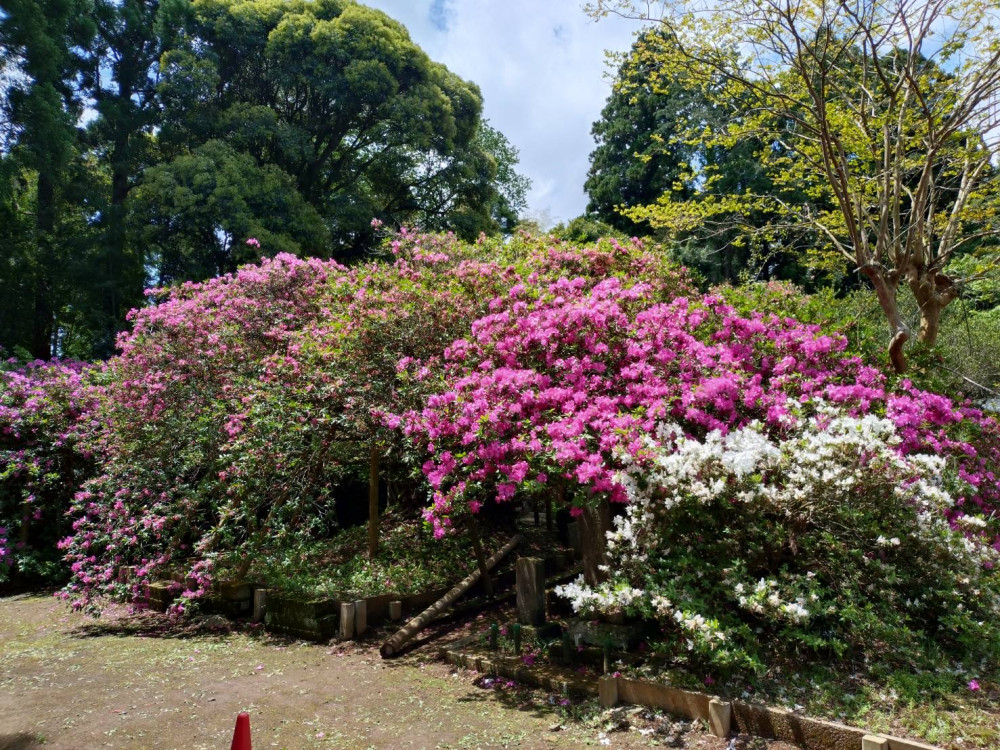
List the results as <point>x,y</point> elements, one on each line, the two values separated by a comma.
<point>19,741</point>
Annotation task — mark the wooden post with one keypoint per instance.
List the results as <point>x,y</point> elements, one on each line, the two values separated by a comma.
<point>259,604</point>
<point>530,586</point>
<point>477,546</point>
<point>720,716</point>
<point>373,502</point>
<point>607,691</point>
<point>346,621</point>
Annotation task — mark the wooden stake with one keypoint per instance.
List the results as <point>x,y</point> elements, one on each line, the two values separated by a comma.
<point>373,520</point>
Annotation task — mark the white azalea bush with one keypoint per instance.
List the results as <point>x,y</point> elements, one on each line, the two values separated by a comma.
<point>826,541</point>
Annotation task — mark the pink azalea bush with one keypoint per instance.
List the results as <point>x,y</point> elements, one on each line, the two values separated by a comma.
<point>566,382</point>
<point>44,409</point>
<point>558,380</point>
<point>238,406</point>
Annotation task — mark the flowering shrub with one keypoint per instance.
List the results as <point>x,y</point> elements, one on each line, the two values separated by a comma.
<point>44,406</point>
<point>238,405</point>
<point>562,379</point>
<point>827,538</point>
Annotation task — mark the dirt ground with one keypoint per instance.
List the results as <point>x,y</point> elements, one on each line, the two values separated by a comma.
<point>70,682</point>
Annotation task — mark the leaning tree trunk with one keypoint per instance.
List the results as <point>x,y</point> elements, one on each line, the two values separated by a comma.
<point>885,291</point>
<point>403,636</point>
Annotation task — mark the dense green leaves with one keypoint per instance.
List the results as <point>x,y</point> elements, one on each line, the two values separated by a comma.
<point>144,141</point>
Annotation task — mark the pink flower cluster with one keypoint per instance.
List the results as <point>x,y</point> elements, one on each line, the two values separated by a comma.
<point>44,410</point>
<point>564,381</point>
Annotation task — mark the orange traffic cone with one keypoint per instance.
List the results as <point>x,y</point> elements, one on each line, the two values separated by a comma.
<point>241,737</point>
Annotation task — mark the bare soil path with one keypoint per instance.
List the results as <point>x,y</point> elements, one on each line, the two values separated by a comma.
<point>70,682</point>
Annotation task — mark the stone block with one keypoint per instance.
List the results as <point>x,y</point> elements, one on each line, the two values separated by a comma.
<point>607,691</point>
<point>360,617</point>
<point>346,631</point>
<point>622,637</point>
<point>396,610</point>
<point>873,742</point>
<point>720,716</point>
<point>301,617</point>
<point>530,587</point>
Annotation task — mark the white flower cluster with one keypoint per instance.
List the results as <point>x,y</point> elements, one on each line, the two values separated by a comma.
<point>604,598</point>
<point>827,461</point>
<point>704,630</point>
<point>764,598</point>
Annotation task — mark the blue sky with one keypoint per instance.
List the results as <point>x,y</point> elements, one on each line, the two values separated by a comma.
<point>541,67</point>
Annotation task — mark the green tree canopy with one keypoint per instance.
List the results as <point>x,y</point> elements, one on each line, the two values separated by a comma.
<point>651,147</point>
<point>144,141</point>
<point>878,126</point>
<point>338,97</point>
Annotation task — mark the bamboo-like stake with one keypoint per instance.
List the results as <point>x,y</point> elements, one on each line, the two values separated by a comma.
<point>402,636</point>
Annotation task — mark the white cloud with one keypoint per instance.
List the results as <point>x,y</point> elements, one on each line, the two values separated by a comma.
<point>541,67</point>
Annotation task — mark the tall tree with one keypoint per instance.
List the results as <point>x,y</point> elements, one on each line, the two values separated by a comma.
<point>131,37</point>
<point>337,97</point>
<point>641,152</point>
<point>649,148</point>
<point>885,110</point>
<point>50,41</point>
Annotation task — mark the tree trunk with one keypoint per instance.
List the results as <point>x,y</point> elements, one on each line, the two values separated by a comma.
<point>930,323</point>
<point>595,522</point>
<point>373,519</point>
<point>477,547</point>
<point>933,291</point>
<point>44,314</point>
<point>418,623</point>
<point>885,291</point>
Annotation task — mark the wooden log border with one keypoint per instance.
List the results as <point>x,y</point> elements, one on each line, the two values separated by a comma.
<point>749,718</point>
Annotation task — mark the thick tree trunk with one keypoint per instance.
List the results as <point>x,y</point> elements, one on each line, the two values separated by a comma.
<point>930,324</point>
<point>933,291</point>
<point>594,526</point>
<point>373,519</point>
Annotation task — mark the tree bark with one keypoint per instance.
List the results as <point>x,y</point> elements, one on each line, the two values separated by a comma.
<point>595,522</point>
<point>402,636</point>
<point>373,519</point>
<point>933,291</point>
<point>885,291</point>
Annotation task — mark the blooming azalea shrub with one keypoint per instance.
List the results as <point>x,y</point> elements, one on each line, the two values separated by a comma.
<point>559,379</point>
<point>169,406</point>
<point>566,382</point>
<point>238,405</point>
<point>44,408</point>
<point>826,539</point>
